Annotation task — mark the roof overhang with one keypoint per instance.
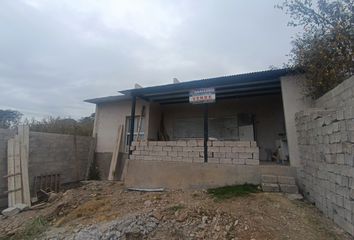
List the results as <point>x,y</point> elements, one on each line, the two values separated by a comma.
<point>100,100</point>
<point>235,86</point>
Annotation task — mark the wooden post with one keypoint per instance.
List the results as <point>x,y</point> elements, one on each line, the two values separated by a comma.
<point>113,166</point>
<point>91,156</point>
<point>206,132</point>
<point>17,164</point>
<point>10,171</point>
<point>140,123</point>
<point>132,119</point>
<point>23,132</point>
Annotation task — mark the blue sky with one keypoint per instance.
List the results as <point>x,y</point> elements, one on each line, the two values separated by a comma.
<point>56,53</point>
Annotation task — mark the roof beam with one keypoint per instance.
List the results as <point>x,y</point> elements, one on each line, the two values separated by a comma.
<point>227,96</point>
<point>215,85</point>
<point>225,99</point>
<point>218,91</point>
<point>220,95</point>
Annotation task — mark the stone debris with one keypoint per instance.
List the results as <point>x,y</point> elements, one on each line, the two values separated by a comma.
<point>130,227</point>
<point>285,184</point>
<point>21,206</point>
<point>11,211</point>
<point>294,196</point>
<point>105,210</point>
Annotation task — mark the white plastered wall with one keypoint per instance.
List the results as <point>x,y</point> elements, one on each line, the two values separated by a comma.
<point>293,102</point>
<point>112,114</point>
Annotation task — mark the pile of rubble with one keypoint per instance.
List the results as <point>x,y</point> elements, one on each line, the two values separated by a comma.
<point>106,210</point>
<point>171,222</point>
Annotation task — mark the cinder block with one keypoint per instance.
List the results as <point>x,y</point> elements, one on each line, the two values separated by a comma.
<point>157,148</point>
<point>186,160</point>
<point>177,149</point>
<point>286,180</point>
<point>152,143</point>
<point>172,154</point>
<point>255,155</point>
<point>136,152</point>
<point>162,153</point>
<point>251,162</point>
<point>230,143</point>
<point>231,155</point>
<point>214,160</point>
<point>198,149</point>
<point>225,149</point>
<point>161,143</point>
<point>238,161</point>
<point>269,179</point>
<point>181,143</point>
<point>351,195</point>
<point>225,161</point>
<point>171,143</point>
<point>197,160</point>
<point>245,155</point>
<point>187,149</point>
<point>270,187</point>
<point>218,144</point>
<point>167,149</point>
<point>192,143</point>
<point>288,188</point>
<point>243,144</point>
<point>214,149</point>
<point>193,154</point>
<point>219,154</point>
<point>182,154</point>
<point>237,149</point>
<point>200,143</point>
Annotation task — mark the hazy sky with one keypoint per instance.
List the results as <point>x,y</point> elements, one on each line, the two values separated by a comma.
<point>56,53</point>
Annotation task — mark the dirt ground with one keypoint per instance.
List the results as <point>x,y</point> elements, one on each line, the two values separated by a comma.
<point>176,215</point>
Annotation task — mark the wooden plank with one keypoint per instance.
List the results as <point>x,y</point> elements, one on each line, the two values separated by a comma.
<point>140,123</point>
<point>91,156</point>
<point>23,132</point>
<point>114,160</point>
<point>18,178</point>
<point>12,175</point>
<point>13,190</point>
<point>58,184</point>
<point>76,158</point>
<point>34,190</point>
<point>10,172</point>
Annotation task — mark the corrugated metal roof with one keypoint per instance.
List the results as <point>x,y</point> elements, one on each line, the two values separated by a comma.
<point>240,85</point>
<point>247,84</point>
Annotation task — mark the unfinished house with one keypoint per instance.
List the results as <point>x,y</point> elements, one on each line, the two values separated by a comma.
<point>208,132</point>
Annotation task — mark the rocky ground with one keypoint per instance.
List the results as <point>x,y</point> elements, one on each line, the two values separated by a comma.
<point>105,210</point>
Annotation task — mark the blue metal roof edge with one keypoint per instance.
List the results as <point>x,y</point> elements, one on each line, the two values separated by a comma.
<point>252,76</point>
<point>115,98</point>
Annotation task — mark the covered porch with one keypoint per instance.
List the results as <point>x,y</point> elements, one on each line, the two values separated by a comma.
<point>244,125</point>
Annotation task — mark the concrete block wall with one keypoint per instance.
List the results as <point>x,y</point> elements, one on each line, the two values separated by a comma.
<point>192,151</point>
<point>5,135</point>
<point>48,153</point>
<point>326,146</point>
<point>58,153</point>
<point>340,96</point>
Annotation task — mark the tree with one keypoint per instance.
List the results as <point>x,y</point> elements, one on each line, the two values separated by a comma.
<point>84,126</point>
<point>9,118</point>
<point>325,50</point>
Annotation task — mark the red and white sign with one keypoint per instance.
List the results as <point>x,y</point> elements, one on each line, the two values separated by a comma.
<point>202,95</point>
